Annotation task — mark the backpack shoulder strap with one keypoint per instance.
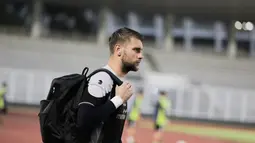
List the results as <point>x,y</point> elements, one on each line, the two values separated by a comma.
<point>115,79</point>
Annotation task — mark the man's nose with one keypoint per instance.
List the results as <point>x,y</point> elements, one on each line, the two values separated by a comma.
<point>140,56</point>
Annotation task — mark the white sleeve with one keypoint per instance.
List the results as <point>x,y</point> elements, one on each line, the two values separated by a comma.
<point>100,84</point>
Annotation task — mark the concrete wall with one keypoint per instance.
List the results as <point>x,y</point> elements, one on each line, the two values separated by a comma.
<point>208,69</point>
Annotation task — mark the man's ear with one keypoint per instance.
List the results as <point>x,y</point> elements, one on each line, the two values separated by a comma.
<point>118,49</point>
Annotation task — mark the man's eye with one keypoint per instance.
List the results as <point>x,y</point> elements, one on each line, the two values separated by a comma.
<point>137,50</point>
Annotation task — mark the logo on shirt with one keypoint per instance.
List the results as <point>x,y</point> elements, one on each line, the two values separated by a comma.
<point>122,116</point>
<point>100,82</point>
<point>122,112</point>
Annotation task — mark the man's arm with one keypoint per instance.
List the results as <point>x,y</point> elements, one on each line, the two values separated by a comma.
<point>90,113</point>
<point>90,116</point>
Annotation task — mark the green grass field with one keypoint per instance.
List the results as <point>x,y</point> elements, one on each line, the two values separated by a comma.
<point>241,136</point>
<point>225,134</point>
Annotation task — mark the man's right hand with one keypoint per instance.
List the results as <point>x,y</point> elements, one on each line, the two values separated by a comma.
<point>125,91</point>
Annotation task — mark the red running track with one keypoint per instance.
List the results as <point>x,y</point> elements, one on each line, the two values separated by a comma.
<point>25,129</point>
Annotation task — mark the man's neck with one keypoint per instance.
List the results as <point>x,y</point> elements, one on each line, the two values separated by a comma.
<point>116,67</point>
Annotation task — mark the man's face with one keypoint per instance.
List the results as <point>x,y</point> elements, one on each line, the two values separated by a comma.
<point>131,55</point>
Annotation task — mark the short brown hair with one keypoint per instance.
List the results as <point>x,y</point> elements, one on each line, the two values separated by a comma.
<point>122,35</point>
<point>162,92</point>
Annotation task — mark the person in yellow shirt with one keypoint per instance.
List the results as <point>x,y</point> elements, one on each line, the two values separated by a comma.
<point>2,99</point>
<point>160,116</point>
<point>133,117</point>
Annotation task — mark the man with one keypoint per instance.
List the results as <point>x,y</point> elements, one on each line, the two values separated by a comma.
<point>134,116</point>
<point>160,116</point>
<point>100,119</point>
<point>3,107</point>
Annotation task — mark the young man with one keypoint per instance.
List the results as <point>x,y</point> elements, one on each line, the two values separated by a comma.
<point>100,119</point>
<point>160,114</point>
<point>133,117</point>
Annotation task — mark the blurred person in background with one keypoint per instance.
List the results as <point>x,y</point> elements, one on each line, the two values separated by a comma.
<point>160,116</point>
<point>134,116</point>
<point>3,106</point>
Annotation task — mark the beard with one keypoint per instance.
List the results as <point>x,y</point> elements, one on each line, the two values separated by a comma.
<point>128,66</point>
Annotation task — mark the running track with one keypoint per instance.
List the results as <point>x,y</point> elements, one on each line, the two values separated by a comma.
<point>19,128</point>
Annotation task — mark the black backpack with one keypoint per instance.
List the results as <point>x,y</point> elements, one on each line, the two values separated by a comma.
<point>57,115</point>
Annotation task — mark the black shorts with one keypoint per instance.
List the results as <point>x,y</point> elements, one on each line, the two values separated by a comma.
<point>131,123</point>
<point>157,127</point>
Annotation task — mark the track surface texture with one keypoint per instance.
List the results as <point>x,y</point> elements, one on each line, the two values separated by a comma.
<point>24,128</point>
